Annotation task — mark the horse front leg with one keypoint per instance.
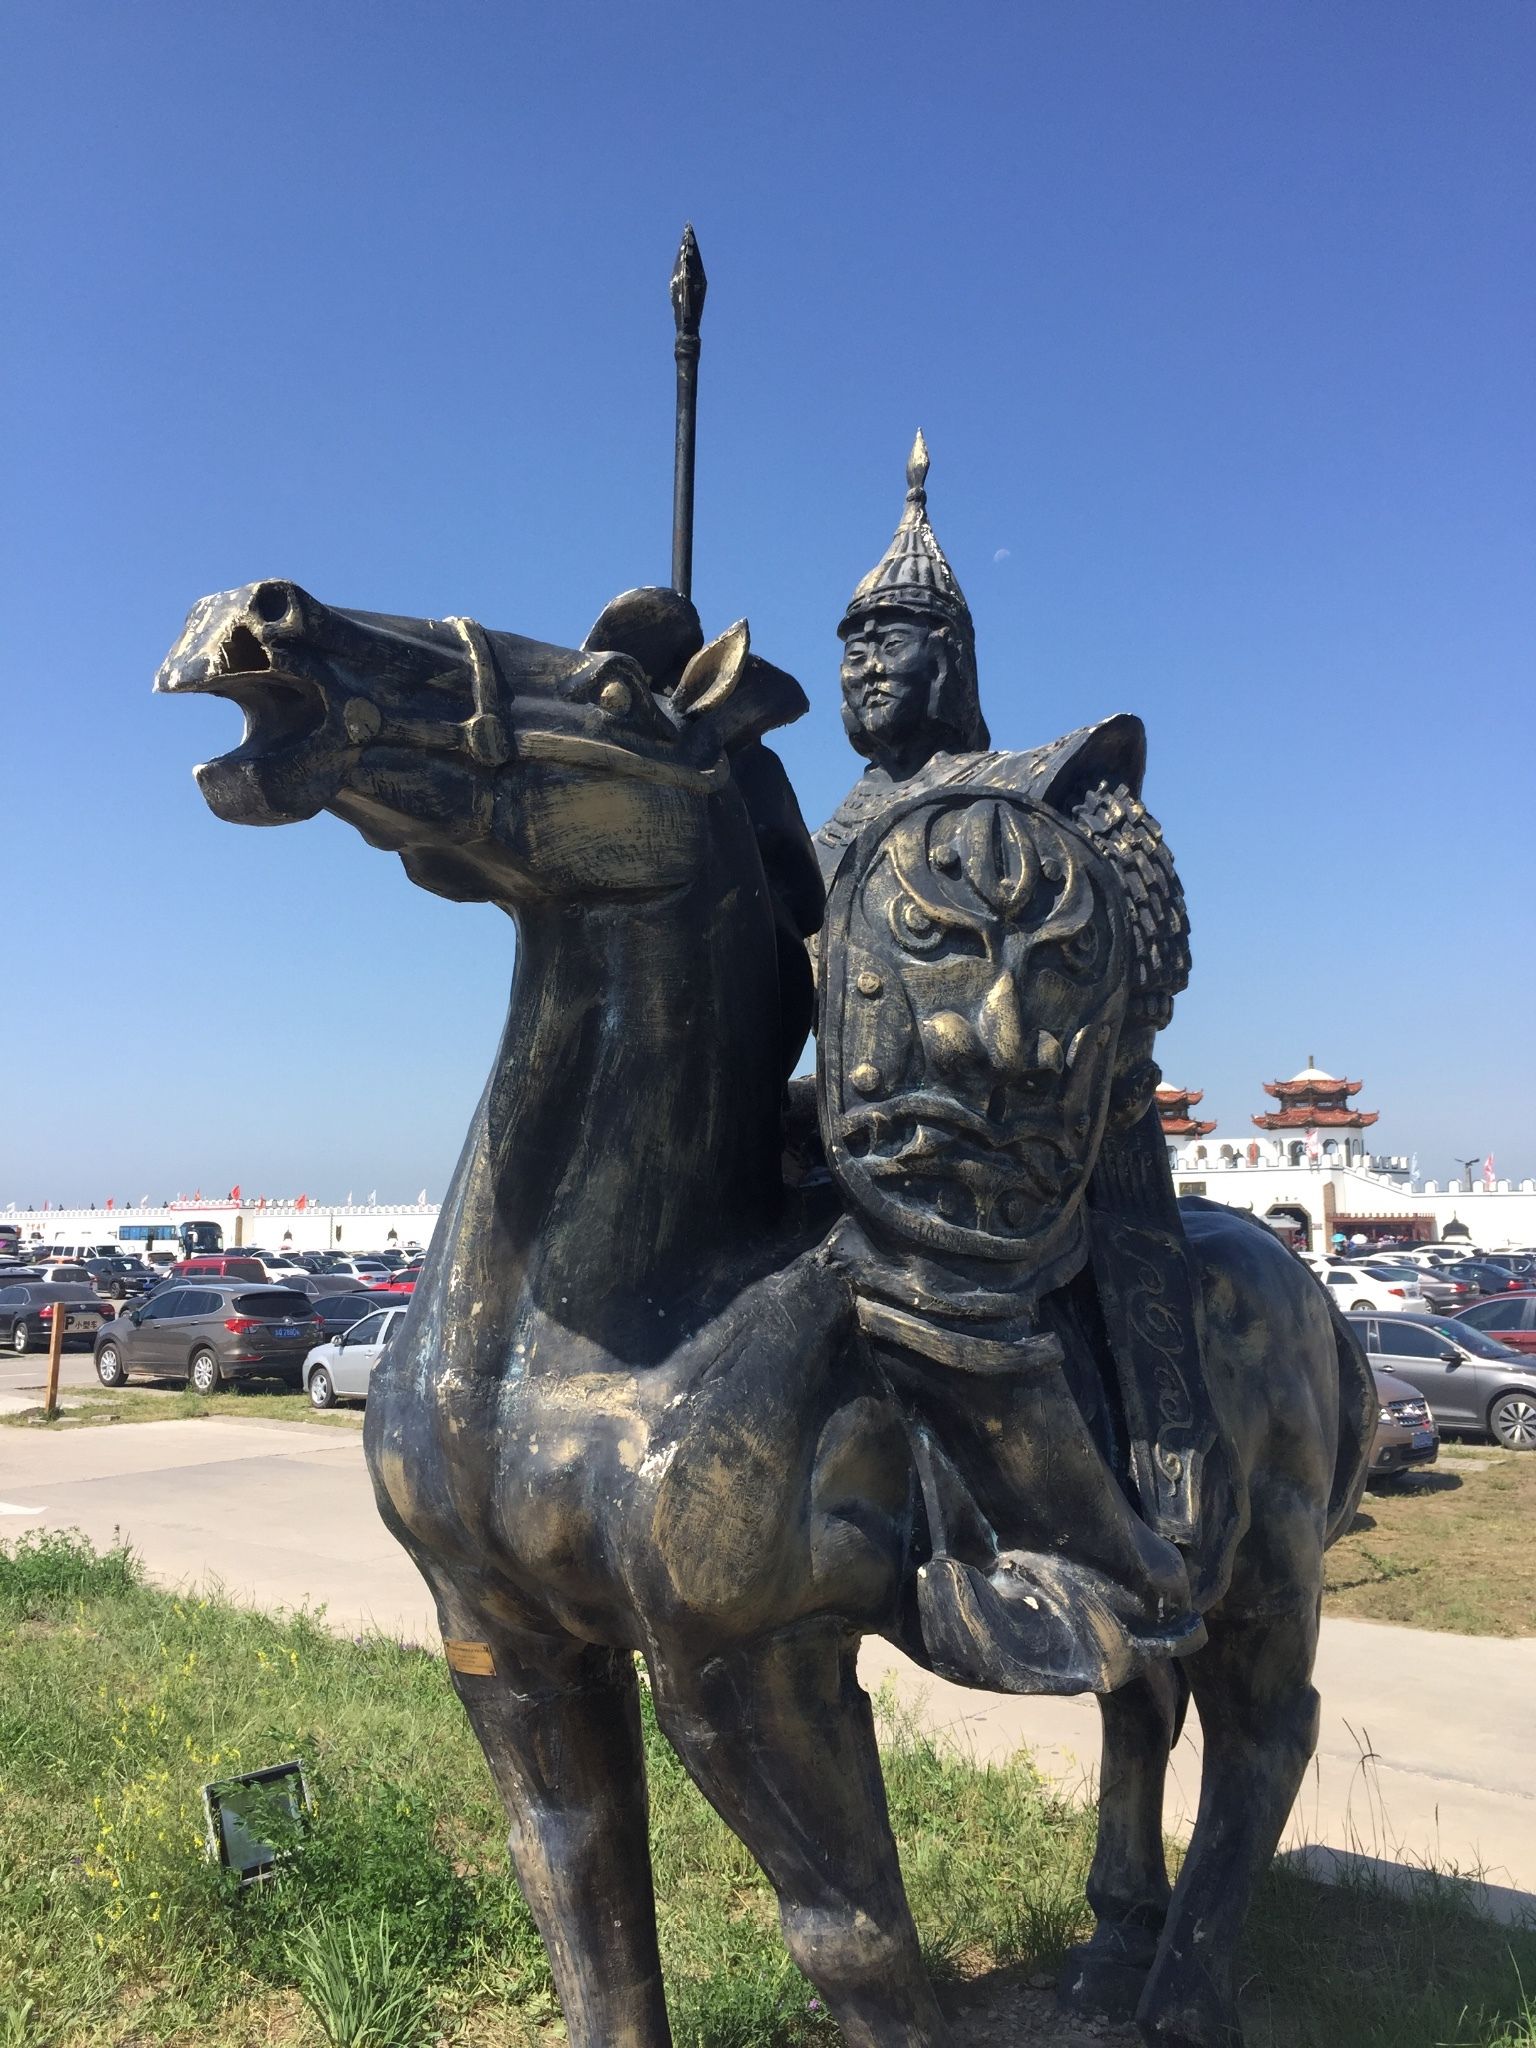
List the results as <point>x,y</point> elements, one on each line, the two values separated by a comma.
<point>1128,1883</point>
<point>780,1739</point>
<point>1259,1718</point>
<point>559,1722</point>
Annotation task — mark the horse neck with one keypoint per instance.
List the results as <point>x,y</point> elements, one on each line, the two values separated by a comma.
<point>631,1128</point>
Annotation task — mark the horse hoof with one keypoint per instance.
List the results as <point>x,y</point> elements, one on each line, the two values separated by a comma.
<point>1198,2022</point>
<point>1093,1982</point>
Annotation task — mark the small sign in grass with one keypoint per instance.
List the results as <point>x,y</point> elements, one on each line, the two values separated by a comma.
<point>254,1820</point>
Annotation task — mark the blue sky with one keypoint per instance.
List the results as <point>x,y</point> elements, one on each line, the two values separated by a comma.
<point>1217,317</point>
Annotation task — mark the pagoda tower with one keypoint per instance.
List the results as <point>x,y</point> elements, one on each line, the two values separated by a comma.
<point>1174,1113</point>
<point>1317,1101</point>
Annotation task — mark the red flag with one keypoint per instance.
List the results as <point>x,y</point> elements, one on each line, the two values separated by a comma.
<point>302,1202</point>
<point>234,1193</point>
<point>1314,1148</point>
<point>1488,1171</point>
<point>109,1202</point>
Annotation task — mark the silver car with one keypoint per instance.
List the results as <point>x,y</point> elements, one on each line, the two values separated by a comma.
<point>343,1364</point>
<point>1470,1381</point>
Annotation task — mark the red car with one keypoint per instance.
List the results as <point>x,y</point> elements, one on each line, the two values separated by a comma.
<point>1508,1318</point>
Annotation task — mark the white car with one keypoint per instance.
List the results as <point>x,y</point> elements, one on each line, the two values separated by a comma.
<point>342,1365</point>
<point>1354,1289</point>
<point>281,1270</point>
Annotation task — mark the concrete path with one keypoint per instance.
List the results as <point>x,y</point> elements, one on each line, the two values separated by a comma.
<point>1425,1756</point>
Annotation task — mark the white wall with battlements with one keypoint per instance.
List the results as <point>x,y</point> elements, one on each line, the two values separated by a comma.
<point>274,1226</point>
<point>1329,1196</point>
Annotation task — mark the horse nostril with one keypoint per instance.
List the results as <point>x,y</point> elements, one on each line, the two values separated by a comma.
<point>272,601</point>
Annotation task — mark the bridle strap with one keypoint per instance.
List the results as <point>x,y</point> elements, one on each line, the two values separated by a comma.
<point>485,737</point>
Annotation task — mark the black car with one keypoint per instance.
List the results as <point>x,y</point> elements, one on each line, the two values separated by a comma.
<point>27,1312</point>
<point>338,1312</point>
<point>117,1279</point>
<point>1485,1276</point>
<point>316,1284</point>
<point>209,1331</point>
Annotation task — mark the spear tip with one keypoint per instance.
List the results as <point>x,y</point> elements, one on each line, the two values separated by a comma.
<point>689,283</point>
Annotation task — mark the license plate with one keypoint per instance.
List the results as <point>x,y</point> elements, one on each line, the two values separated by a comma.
<point>1422,1439</point>
<point>82,1322</point>
<point>286,1330</point>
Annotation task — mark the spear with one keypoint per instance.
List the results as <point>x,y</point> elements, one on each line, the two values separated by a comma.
<point>688,288</point>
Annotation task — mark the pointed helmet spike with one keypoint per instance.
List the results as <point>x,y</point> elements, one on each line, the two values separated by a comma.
<point>917,470</point>
<point>913,575</point>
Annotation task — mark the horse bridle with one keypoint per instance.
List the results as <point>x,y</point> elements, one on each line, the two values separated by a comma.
<point>484,736</point>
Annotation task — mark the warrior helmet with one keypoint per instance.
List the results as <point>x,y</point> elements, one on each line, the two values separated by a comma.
<point>913,576</point>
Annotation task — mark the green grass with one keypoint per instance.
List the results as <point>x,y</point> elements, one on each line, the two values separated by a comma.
<point>117,1702</point>
<point>262,1400</point>
<point>1449,1548</point>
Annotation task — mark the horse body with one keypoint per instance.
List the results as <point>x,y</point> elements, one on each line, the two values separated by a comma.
<point>625,1412</point>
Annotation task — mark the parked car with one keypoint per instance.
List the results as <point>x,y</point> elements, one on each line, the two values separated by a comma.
<point>1484,1276</point>
<point>360,1269</point>
<point>1441,1292</point>
<point>338,1312</point>
<point>119,1278</point>
<point>65,1273</point>
<point>1355,1288</point>
<point>1437,1290</point>
<point>223,1266</point>
<point>1468,1386</point>
<point>316,1284</point>
<point>1406,1435</point>
<point>208,1333</point>
<point>1509,1318</point>
<point>27,1312</point>
<point>342,1365</point>
<point>281,1266</point>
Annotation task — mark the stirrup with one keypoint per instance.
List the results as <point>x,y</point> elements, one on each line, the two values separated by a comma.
<point>1036,1624</point>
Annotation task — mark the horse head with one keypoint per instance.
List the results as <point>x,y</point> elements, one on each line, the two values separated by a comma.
<point>499,768</point>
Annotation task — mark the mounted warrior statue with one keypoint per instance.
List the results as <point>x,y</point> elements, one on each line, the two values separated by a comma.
<point>1005,935</point>
<point>981,1388</point>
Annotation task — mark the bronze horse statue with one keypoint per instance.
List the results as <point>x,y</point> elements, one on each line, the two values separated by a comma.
<point>629,1409</point>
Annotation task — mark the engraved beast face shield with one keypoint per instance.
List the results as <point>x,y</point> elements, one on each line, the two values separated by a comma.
<point>974,982</point>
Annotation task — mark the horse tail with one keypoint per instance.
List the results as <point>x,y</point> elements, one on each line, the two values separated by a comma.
<point>1358,1403</point>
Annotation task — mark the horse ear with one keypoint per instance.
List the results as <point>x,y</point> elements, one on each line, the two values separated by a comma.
<point>713,672</point>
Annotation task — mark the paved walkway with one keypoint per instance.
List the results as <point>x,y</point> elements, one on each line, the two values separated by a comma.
<point>1425,1754</point>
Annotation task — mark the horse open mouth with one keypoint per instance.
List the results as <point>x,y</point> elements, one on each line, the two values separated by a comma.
<point>290,757</point>
<point>282,711</point>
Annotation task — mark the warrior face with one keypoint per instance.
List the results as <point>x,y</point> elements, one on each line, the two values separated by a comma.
<point>972,1019</point>
<point>894,666</point>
